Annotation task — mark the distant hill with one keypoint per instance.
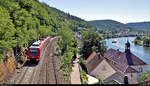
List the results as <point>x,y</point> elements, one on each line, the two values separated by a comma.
<point>140,25</point>
<point>109,25</point>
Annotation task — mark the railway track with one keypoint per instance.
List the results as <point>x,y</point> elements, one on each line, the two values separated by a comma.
<point>50,74</point>
<point>52,66</point>
<point>23,75</point>
<point>45,72</point>
<point>30,70</point>
<point>28,74</point>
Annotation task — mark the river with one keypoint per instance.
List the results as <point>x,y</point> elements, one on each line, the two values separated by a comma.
<point>140,51</point>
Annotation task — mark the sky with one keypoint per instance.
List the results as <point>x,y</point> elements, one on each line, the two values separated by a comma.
<point>120,10</point>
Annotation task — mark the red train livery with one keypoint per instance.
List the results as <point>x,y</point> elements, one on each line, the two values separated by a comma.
<point>35,51</point>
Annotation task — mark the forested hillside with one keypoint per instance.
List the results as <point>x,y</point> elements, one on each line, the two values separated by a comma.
<point>24,21</point>
<point>140,25</point>
<point>109,25</point>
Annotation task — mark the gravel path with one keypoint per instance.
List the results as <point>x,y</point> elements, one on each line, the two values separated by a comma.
<point>75,75</point>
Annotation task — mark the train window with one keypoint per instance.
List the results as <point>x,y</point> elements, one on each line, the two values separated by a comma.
<point>33,52</point>
<point>35,45</point>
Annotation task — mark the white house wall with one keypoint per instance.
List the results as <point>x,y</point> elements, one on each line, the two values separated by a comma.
<point>134,76</point>
<point>144,69</point>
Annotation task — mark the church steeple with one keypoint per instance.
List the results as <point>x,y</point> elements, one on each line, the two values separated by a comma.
<point>127,46</point>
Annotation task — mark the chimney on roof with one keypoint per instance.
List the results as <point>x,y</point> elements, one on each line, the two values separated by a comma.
<point>118,51</point>
<point>126,80</point>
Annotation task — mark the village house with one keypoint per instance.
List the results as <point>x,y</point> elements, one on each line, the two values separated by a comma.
<point>98,67</point>
<point>115,65</point>
<point>101,68</point>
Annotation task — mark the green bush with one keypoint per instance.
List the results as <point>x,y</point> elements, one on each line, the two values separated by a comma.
<point>138,42</point>
<point>83,64</point>
<point>82,61</point>
<point>2,57</point>
<point>84,78</point>
<point>66,50</point>
<point>144,76</point>
<point>21,59</point>
<point>100,82</point>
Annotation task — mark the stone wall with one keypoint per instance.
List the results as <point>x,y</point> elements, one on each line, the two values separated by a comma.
<point>7,69</point>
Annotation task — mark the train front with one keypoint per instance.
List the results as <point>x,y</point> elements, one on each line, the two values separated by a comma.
<point>33,54</point>
<point>34,51</point>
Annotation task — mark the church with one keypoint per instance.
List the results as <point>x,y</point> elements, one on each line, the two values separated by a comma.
<point>130,64</point>
<point>115,63</point>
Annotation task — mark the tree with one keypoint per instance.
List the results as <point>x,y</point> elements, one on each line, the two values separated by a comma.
<point>146,41</point>
<point>22,22</point>
<point>92,41</point>
<point>138,38</point>
<point>67,49</point>
<point>6,32</point>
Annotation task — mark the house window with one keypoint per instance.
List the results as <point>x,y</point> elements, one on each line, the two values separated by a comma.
<point>140,69</point>
<point>131,75</point>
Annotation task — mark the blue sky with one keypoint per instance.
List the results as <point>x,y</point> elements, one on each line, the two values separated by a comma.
<point>120,10</point>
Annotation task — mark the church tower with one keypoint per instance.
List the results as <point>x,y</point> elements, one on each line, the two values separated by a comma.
<point>127,46</point>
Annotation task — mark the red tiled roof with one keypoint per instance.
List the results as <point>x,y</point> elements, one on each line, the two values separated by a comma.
<point>122,61</point>
<point>92,62</point>
<point>123,58</point>
<point>118,60</point>
<point>137,61</point>
<point>121,67</point>
<point>116,66</point>
<point>91,57</point>
<point>130,70</point>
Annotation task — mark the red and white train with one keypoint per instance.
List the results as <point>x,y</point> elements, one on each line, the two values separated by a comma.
<point>35,51</point>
